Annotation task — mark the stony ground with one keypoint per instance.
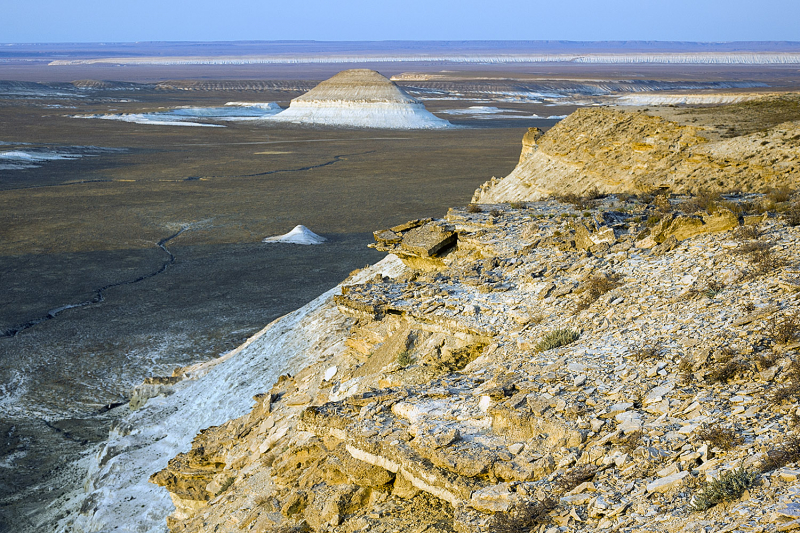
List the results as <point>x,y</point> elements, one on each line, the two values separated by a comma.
<point>616,364</point>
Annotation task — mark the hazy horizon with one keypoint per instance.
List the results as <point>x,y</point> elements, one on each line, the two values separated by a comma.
<point>81,21</point>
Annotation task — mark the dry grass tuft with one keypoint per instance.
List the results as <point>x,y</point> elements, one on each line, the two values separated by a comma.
<point>726,367</point>
<point>706,201</point>
<point>779,195</point>
<point>790,390</point>
<point>581,202</point>
<point>792,215</point>
<point>596,286</point>
<point>576,476</point>
<point>787,452</point>
<point>720,437</point>
<point>631,441</point>
<point>785,329</point>
<point>746,233</point>
<point>524,517</point>
<point>646,351</point>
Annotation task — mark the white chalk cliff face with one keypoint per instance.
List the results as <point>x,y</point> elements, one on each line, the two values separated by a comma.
<point>360,98</point>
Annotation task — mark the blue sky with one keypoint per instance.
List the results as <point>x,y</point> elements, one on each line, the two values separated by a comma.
<point>227,20</point>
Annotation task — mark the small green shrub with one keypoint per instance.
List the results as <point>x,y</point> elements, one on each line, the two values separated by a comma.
<point>496,212</point>
<point>713,288</point>
<point>474,208</point>
<point>405,359</point>
<point>557,338</point>
<point>728,487</point>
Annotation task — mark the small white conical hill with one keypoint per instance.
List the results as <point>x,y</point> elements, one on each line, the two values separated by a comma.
<point>299,235</point>
<point>360,98</point>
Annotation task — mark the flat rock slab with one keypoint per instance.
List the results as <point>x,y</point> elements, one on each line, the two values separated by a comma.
<point>428,240</point>
<point>667,483</point>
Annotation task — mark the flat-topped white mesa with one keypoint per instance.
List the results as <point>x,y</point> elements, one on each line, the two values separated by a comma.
<point>299,235</point>
<point>360,98</point>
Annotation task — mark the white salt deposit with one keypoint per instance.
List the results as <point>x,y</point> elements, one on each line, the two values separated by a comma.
<point>683,99</point>
<point>490,112</point>
<point>187,116</point>
<point>117,493</point>
<point>360,98</point>
<point>299,235</point>
<point>478,110</point>
<point>259,105</point>
<point>153,119</point>
<point>16,160</point>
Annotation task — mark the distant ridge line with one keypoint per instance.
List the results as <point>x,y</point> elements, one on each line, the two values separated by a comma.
<point>235,85</point>
<point>754,58</point>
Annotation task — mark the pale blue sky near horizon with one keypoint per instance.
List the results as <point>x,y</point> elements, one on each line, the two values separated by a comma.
<point>40,21</point>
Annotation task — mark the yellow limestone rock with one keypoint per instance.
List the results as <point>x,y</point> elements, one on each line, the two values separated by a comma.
<point>623,151</point>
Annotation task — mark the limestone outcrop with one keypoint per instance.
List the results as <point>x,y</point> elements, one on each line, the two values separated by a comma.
<point>633,151</point>
<point>555,373</point>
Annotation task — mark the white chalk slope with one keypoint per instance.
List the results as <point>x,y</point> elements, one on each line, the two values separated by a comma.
<point>360,98</point>
<point>299,235</point>
<point>118,496</point>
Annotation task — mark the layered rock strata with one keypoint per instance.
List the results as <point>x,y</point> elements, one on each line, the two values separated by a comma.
<point>611,150</point>
<point>360,98</point>
<point>452,407</point>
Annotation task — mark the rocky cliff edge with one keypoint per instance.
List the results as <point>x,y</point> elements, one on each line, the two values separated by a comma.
<point>747,147</point>
<point>617,364</point>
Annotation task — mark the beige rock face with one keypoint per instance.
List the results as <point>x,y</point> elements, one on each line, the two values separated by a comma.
<point>441,416</point>
<point>444,414</point>
<point>683,227</point>
<point>530,143</point>
<point>630,151</point>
